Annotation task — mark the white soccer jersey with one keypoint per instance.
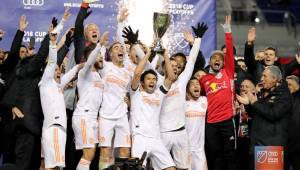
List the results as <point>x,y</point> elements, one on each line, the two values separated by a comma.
<point>195,122</point>
<point>51,92</point>
<point>145,110</point>
<point>173,109</point>
<point>117,82</point>
<point>90,87</point>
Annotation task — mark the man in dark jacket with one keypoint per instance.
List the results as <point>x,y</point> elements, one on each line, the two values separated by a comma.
<point>294,124</point>
<point>255,67</point>
<point>271,108</point>
<point>21,104</point>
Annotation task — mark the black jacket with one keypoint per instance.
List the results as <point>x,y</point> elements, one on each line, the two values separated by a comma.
<point>255,68</point>
<point>22,89</point>
<point>294,126</point>
<point>11,61</point>
<point>270,118</point>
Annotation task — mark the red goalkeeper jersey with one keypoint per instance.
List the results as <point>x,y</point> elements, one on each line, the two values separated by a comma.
<point>219,88</point>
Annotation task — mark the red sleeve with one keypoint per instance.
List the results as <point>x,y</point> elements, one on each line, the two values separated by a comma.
<point>229,57</point>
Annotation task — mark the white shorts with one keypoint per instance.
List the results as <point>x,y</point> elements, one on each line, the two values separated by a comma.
<point>107,128</point>
<point>177,143</point>
<point>53,145</point>
<point>156,151</point>
<point>198,160</point>
<point>86,131</point>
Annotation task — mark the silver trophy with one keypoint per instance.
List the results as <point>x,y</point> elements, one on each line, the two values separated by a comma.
<point>161,23</point>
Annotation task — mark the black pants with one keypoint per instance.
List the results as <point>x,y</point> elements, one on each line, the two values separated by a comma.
<point>295,162</point>
<point>72,155</point>
<point>22,147</point>
<point>220,142</point>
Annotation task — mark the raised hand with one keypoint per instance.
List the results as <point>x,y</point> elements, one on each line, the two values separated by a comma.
<point>54,22</point>
<point>298,58</point>
<point>251,35</point>
<point>104,39</point>
<point>23,23</point>
<point>130,35</point>
<point>188,36</point>
<point>1,34</point>
<point>200,29</point>
<point>67,13</point>
<point>69,38</point>
<point>123,14</point>
<point>227,25</point>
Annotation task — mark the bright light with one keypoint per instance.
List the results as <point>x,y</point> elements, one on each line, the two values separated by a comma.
<point>141,17</point>
<point>257,20</point>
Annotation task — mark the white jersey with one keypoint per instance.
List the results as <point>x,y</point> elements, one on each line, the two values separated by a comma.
<point>195,122</point>
<point>173,109</point>
<point>51,92</point>
<point>145,110</point>
<point>90,88</point>
<point>117,83</point>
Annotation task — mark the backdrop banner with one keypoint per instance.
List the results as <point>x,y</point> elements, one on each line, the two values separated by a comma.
<point>185,13</point>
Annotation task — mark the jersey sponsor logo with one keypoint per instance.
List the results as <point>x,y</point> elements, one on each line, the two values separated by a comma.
<point>151,101</point>
<point>115,80</point>
<point>173,92</point>
<point>191,114</point>
<point>215,87</point>
<point>98,85</point>
<point>33,2</point>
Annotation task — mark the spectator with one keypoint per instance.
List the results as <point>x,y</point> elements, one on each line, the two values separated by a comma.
<point>271,108</point>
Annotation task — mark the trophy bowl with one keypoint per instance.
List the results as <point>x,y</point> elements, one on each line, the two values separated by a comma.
<point>161,23</point>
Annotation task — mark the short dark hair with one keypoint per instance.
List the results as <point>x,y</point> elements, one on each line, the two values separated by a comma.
<point>180,55</point>
<point>188,84</point>
<point>234,49</point>
<point>150,71</point>
<point>273,49</point>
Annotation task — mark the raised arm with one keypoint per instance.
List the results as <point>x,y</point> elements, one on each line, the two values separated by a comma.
<point>13,55</point>
<point>249,51</point>
<point>66,78</point>
<point>188,71</point>
<point>229,57</point>
<point>49,72</point>
<point>170,75</point>
<point>79,40</point>
<point>138,72</point>
<point>91,60</point>
<point>62,52</point>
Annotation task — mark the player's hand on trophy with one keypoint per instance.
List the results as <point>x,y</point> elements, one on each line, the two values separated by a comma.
<point>200,29</point>
<point>104,39</point>
<point>130,35</point>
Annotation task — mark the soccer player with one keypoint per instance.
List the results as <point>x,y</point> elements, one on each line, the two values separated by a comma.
<point>195,112</point>
<point>218,85</point>
<point>146,102</point>
<point>52,99</point>
<point>84,122</point>
<point>172,117</point>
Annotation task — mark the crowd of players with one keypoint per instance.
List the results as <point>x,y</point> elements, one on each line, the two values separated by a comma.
<point>127,98</point>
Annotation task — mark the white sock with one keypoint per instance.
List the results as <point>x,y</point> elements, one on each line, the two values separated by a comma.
<point>83,164</point>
